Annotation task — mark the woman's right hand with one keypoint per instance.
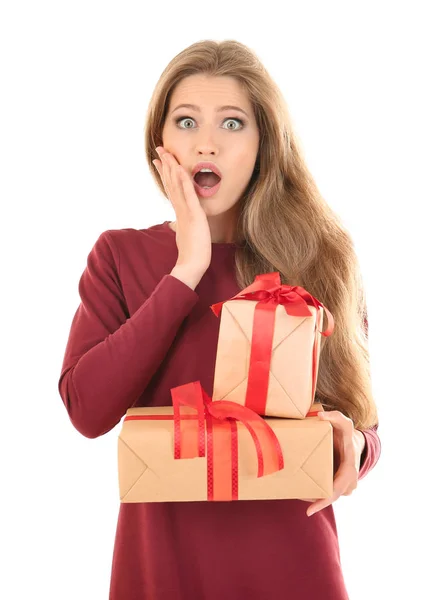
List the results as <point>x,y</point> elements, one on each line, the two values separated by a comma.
<point>193,237</point>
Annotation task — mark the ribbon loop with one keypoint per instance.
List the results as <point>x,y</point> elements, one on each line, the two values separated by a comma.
<point>267,288</point>
<point>269,453</point>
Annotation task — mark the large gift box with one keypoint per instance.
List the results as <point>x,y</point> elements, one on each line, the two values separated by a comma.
<point>198,449</point>
<point>268,348</point>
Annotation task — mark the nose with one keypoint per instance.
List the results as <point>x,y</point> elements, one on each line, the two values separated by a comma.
<point>205,143</point>
<point>206,149</point>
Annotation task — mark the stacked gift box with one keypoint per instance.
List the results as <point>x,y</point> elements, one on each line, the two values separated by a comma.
<point>258,436</point>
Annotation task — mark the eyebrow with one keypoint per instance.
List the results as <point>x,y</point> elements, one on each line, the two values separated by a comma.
<point>219,109</point>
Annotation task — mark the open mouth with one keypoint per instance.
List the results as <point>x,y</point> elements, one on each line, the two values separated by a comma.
<point>206,180</point>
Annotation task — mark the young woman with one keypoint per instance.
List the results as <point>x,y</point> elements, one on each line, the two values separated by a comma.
<point>145,325</point>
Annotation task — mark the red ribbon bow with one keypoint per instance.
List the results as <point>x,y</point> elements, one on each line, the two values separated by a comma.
<point>218,421</point>
<point>268,291</point>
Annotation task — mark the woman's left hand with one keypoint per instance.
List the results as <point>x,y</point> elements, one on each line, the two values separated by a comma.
<point>348,444</point>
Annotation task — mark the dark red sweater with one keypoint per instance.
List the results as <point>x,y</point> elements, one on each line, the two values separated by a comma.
<point>137,333</point>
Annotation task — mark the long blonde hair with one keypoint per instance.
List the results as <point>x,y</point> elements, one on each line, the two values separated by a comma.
<point>284,223</point>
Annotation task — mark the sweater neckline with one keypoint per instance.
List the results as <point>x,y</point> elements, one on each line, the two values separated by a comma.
<point>224,245</point>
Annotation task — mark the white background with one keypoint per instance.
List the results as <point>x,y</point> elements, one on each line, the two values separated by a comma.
<point>76,79</point>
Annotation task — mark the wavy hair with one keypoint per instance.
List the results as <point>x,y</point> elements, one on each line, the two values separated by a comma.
<point>284,223</point>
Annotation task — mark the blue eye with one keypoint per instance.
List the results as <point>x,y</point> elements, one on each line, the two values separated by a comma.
<point>242,124</point>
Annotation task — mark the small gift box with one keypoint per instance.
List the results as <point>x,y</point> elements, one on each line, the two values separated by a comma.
<point>198,449</point>
<point>268,348</point>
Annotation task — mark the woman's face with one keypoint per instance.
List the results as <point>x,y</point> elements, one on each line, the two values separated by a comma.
<point>228,138</point>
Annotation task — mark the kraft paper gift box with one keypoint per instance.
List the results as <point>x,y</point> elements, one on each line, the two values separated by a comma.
<point>268,348</point>
<point>199,450</point>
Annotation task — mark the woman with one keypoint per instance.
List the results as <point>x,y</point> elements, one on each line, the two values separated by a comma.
<point>145,326</point>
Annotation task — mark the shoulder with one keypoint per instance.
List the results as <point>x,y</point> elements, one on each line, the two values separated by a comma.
<point>129,235</point>
<point>130,244</point>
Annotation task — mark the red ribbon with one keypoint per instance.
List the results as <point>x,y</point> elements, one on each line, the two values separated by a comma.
<point>269,293</point>
<point>218,420</point>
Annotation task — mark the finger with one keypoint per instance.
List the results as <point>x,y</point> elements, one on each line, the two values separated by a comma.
<point>338,487</point>
<point>159,166</point>
<point>324,502</point>
<point>342,483</point>
<point>343,432</point>
<point>190,195</point>
<point>183,186</point>
<point>314,508</point>
<point>320,504</point>
<point>175,186</point>
<point>166,176</point>
<point>338,420</point>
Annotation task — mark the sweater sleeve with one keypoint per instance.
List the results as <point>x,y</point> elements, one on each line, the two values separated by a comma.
<point>371,451</point>
<point>111,357</point>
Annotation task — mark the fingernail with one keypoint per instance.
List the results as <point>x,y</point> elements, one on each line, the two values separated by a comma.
<point>310,513</point>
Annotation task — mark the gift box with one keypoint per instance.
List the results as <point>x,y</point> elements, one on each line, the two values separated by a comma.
<point>268,348</point>
<point>200,450</point>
